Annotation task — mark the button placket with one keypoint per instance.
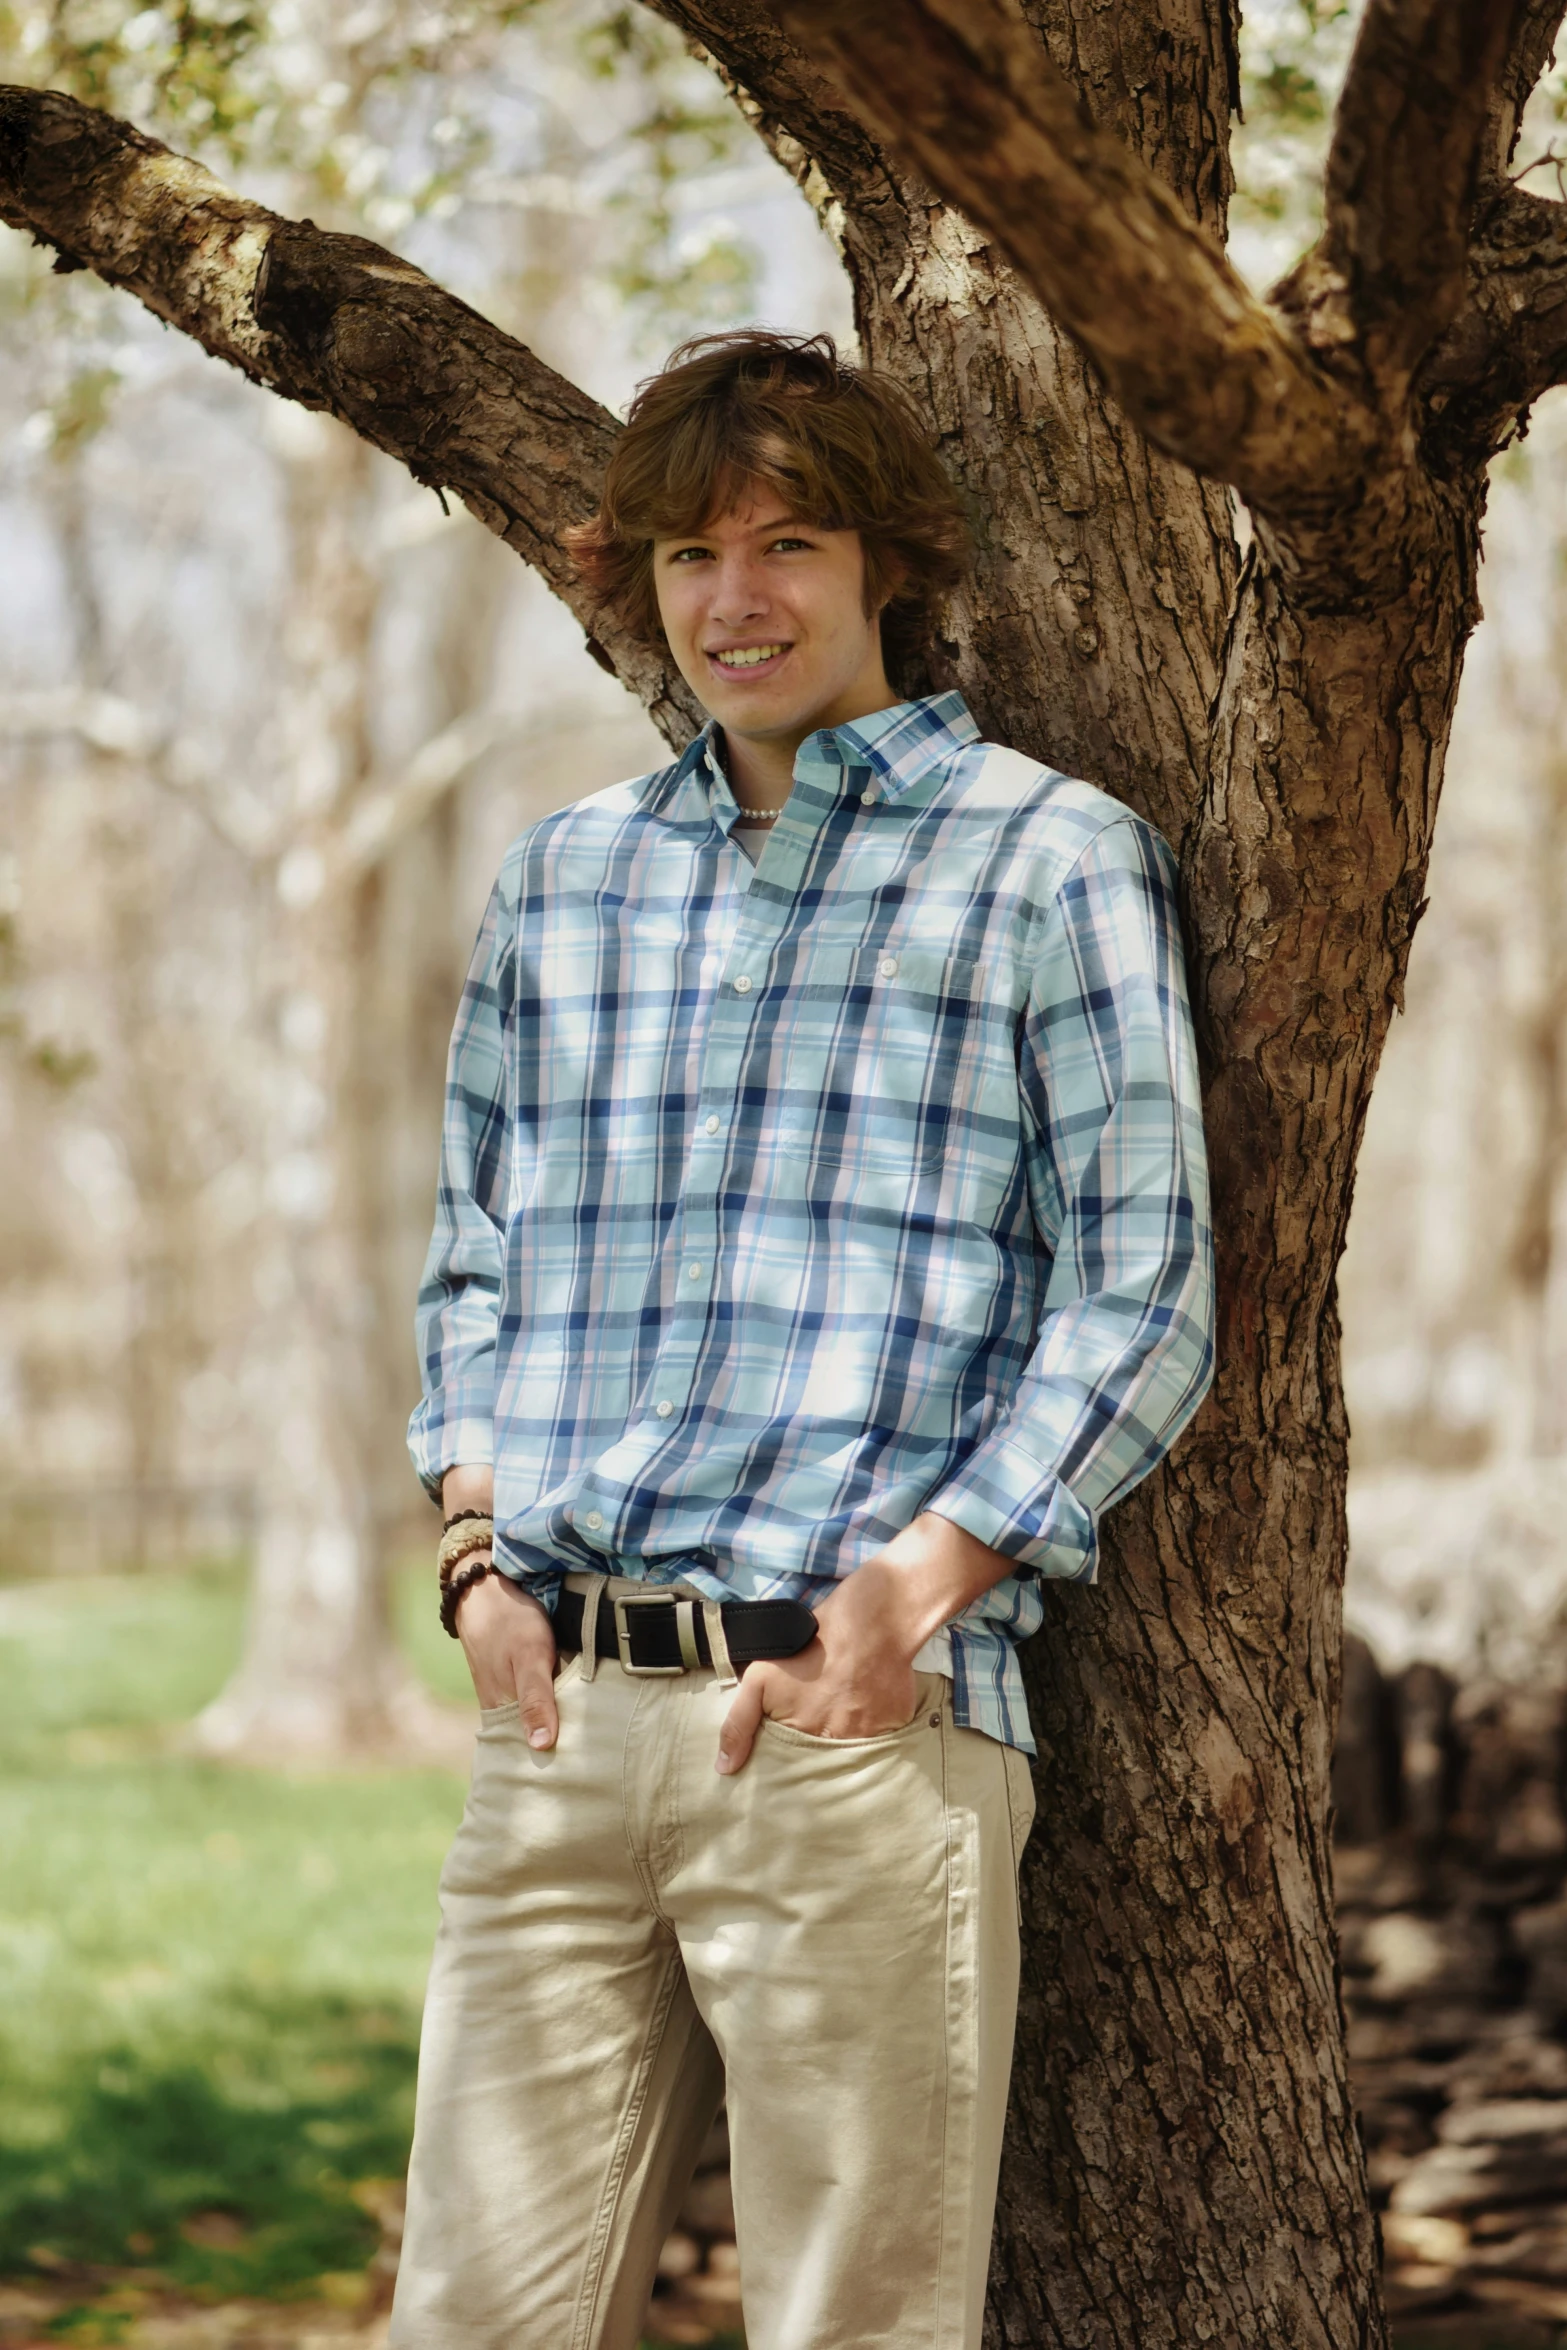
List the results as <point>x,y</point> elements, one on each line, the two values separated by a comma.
<point>740,990</point>
<point>743,964</point>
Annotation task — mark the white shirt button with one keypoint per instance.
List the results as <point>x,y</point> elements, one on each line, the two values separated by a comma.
<point>712,1125</point>
<point>695,1272</point>
<point>868,796</point>
<point>743,984</point>
<point>664,1409</point>
<point>888,966</point>
<point>595,1521</point>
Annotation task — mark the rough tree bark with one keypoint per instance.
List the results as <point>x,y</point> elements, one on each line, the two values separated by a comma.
<point>1030,203</point>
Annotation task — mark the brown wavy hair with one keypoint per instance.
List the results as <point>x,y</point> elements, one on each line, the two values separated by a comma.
<point>843,448</point>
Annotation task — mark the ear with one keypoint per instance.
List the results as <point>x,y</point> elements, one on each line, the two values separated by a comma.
<point>893,579</point>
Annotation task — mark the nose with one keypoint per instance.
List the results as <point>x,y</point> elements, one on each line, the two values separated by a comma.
<point>739,589</point>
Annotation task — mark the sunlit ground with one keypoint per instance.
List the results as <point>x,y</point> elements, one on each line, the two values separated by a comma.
<point>209,1979</point>
<point>210,1983</point>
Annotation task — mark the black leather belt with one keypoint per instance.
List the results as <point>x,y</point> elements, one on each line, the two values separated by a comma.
<point>655,1632</point>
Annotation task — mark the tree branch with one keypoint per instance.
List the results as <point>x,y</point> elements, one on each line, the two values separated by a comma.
<point>1402,173</point>
<point>120,729</point>
<point>1509,343</point>
<point>335,323</point>
<point>1529,53</point>
<point>105,722</point>
<point>964,91</point>
<point>795,107</point>
<point>386,814</point>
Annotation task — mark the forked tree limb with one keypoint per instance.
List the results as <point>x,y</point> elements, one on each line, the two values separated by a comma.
<point>965,92</point>
<point>1535,27</point>
<point>337,324</point>
<point>796,108</point>
<point>1403,169</point>
<point>1509,343</point>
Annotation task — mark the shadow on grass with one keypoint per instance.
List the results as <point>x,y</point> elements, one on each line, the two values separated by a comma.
<point>226,2160</point>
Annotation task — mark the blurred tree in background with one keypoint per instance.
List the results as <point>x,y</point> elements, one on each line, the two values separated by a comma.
<point>250,724</point>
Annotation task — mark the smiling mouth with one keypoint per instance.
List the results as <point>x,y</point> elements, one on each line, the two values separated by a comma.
<point>747,656</point>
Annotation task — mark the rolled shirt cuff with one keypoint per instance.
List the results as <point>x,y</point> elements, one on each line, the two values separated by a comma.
<point>1025,1513</point>
<point>464,1435</point>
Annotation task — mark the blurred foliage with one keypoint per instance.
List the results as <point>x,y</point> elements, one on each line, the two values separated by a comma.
<point>77,413</point>
<point>1294,55</point>
<point>438,1660</point>
<point>372,117</point>
<point>209,1980</point>
<point>1293,58</point>
<point>60,1066</point>
<point>688,128</point>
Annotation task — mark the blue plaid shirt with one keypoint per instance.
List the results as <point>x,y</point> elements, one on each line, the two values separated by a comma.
<point>780,1204</point>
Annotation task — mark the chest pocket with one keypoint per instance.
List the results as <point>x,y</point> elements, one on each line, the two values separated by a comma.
<point>873,1054</point>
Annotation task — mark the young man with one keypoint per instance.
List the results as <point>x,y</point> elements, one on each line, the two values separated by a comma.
<point>821,1248</point>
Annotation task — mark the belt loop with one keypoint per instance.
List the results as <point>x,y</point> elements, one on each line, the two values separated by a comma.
<point>596,1585</point>
<point>718,1646</point>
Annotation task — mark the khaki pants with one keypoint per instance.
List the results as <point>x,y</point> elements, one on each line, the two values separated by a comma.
<point>829,1938</point>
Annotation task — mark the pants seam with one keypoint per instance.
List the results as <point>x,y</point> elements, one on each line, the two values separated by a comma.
<point>640,1862</point>
<point>609,2202</point>
<point>938,2315</point>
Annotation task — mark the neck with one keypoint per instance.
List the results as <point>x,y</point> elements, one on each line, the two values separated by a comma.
<point>761,772</point>
<point>760,767</point>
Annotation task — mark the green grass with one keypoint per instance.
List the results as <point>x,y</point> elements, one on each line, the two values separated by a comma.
<point>438,1661</point>
<point>209,1979</point>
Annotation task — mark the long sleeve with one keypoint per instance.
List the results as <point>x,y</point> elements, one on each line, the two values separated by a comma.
<point>459,1296</point>
<point>1118,1184</point>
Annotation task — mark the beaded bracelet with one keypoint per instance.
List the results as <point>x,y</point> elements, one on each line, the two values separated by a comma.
<point>456,1591</point>
<point>478,1534</point>
<point>457,1517</point>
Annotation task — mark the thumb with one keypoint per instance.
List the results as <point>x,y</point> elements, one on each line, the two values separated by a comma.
<point>536,1701</point>
<point>741,1722</point>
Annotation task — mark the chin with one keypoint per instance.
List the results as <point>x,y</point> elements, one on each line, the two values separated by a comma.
<point>771,708</point>
<point>752,714</point>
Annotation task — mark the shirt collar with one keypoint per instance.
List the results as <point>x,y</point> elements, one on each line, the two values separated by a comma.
<point>701,766</point>
<point>905,742</point>
<point>902,743</point>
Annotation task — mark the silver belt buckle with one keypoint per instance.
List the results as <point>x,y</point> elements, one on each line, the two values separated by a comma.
<point>688,1651</point>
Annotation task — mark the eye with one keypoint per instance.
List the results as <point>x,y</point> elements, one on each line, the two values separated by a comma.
<point>688,555</point>
<point>789,546</point>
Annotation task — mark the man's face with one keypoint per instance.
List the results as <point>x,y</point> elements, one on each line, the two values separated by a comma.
<point>765,616</point>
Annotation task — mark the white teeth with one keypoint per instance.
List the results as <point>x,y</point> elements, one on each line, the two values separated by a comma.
<point>748,657</point>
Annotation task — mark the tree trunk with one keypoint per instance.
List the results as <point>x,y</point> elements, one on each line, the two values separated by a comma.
<point>1181,2080</point>
<point>1183,2164</point>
